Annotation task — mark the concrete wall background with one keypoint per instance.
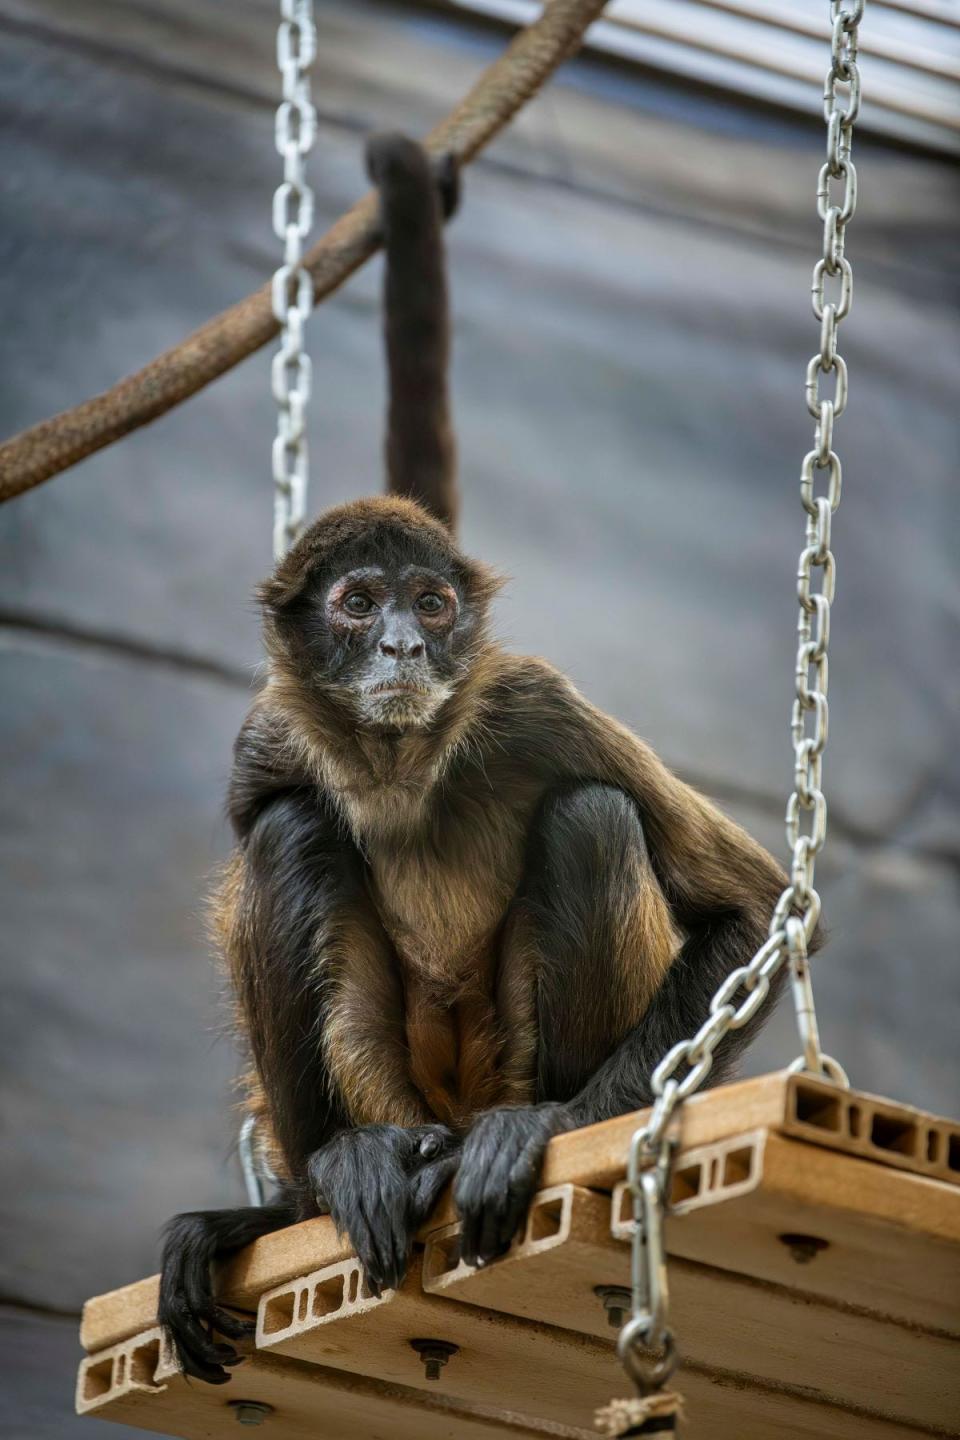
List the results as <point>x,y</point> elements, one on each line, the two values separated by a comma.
<point>630,277</point>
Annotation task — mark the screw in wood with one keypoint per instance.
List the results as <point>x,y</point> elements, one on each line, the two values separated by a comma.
<point>434,1354</point>
<point>250,1412</point>
<point>615,1300</point>
<point>803,1248</point>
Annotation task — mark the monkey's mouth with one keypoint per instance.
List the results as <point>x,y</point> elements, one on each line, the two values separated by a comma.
<point>398,687</point>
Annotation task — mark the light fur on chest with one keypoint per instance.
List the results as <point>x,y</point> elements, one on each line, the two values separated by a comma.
<point>443,895</point>
<point>442,876</point>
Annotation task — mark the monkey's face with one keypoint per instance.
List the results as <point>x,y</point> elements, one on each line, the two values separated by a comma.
<point>390,642</point>
<point>378,611</point>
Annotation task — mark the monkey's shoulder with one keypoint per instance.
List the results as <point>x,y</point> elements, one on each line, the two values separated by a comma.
<point>536,717</point>
<point>269,759</point>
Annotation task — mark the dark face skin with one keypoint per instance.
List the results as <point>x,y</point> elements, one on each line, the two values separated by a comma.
<point>388,638</point>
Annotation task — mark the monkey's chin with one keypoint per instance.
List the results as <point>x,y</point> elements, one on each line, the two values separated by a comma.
<point>401,709</point>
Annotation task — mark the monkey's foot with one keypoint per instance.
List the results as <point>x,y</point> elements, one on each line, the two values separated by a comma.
<point>187,1306</point>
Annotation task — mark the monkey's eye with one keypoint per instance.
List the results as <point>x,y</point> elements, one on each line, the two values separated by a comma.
<point>356,603</point>
<point>430,603</point>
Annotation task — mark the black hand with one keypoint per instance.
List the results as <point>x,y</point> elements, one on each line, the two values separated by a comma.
<point>379,1185</point>
<point>499,1173</point>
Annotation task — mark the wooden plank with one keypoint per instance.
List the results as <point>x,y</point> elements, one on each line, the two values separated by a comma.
<point>595,1158</point>
<point>310,1401</point>
<point>329,1318</point>
<point>776,1334</point>
<point>115,1316</point>
<point>892,1239</point>
<point>873,1128</point>
<point>137,1383</point>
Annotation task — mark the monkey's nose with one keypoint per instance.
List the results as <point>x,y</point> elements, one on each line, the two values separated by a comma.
<point>408,652</point>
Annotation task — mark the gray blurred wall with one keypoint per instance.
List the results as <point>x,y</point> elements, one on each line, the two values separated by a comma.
<point>631,278</point>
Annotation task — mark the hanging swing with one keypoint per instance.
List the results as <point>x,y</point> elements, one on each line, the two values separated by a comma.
<point>813,1232</point>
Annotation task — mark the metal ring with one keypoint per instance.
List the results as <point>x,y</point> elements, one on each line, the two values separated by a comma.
<point>647,1372</point>
<point>829,1068</point>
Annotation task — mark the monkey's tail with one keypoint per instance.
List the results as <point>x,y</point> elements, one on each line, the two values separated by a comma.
<point>417,193</point>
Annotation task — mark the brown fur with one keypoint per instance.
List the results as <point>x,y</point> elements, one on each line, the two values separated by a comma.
<point>467,910</point>
<point>432,1011</point>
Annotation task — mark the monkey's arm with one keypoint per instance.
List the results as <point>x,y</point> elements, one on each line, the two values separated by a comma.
<point>640,899</point>
<point>302,943</point>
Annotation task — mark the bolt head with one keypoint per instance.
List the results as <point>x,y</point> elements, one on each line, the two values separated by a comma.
<point>615,1300</point>
<point>250,1412</point>
<point>804,1248</point>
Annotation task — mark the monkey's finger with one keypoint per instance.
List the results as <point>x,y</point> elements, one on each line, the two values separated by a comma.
<point>489,1242</point>
<point>469,1229</point>
<point>426,1186</point>
<point>191,1331</point>
<point>468,1199</point>
<point>399,1249</point>
<point>231,1325</point>
<point>364,1241</point>
<point>199,1368</point>
<point>199,1302</point>
<point>198,1355</point>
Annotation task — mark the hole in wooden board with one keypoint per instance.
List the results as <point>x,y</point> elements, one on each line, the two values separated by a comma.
<point>303,1304</point>
<point>98,1379</point>
<point>546,1219</point>
<point>686,1184</point>
<point>444,1255</point>
<point>897,1136</point>
<point>328,1296</point>
<point>353,1285</point>
<point>933,1147</point>
<point>738,1166</point>
<point>953,1153</point>
<point>278,1312</point>
<point>144,1361</point>
<point>814,1108</point>
<point>854,1119</point>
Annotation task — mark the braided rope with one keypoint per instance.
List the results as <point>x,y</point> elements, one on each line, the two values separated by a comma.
<point>504,88</point>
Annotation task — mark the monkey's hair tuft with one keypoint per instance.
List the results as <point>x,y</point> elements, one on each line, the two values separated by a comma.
<point>378,520</point>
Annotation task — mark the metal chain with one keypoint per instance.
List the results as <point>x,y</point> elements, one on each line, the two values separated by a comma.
<point>292,294</point>
<point>797,911</point>
<point>290,375</point>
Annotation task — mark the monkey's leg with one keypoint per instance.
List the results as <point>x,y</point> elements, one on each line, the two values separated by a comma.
<point>188,1310</point>
<point>593,921</point>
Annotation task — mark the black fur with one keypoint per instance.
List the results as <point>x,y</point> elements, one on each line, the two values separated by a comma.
<point>580,847</point>
<point>380,1184</point>
<point>416,196</point>
<point>194,1243</point>
<point>498,1175</point>
<point>303,872</point>
<point>529,739</point>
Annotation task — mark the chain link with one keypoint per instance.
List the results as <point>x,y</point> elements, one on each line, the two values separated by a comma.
<point>686,1066</point>
<point>292,289</point>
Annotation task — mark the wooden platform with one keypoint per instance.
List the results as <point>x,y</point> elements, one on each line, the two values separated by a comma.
<point>815,1284</point>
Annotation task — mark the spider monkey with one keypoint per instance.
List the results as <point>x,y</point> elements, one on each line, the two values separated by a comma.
<point>466,910</point>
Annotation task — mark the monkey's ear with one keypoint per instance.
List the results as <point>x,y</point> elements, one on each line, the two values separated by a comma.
<point>278,592</point>
<point>483,582</point>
